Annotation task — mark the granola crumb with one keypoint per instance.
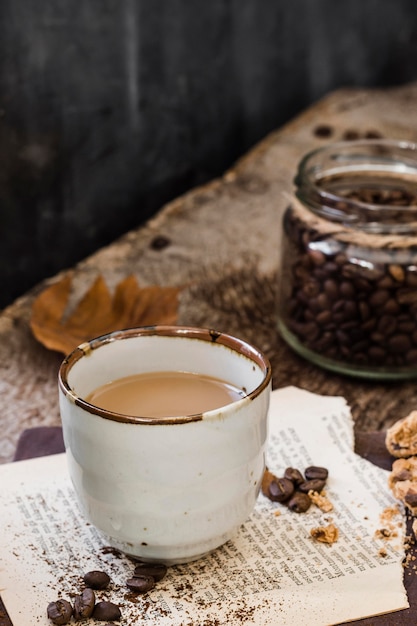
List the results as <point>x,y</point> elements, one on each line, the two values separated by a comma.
<point>382,533</point>
<point>325,534</point>
<point>390,512</point>
<point>321,501</point>
<point>389,519</point>
<point>401,437</point>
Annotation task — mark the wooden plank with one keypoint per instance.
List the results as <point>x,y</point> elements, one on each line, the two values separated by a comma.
<point>4,617</point>
<point>223,244</point>
<point>112,108</point>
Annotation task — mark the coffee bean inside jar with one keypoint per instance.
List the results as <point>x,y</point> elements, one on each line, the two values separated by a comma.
<point>348,276</point>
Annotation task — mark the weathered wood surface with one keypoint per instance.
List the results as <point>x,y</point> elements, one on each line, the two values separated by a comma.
<point>224,240</point>
<point>108,109</point>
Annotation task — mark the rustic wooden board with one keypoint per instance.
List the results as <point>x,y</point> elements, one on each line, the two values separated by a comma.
<point>223,244</point>
<point>124,104</point>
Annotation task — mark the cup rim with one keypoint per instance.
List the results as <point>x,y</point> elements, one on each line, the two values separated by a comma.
<point>203,334</point>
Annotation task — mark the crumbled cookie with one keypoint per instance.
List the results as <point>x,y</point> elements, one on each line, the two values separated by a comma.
<point>385,533</point>
<point>403,482</point>
<point>401,437</point>
<point>390,519</point>
<point>321,501</point>
<point>325,534</point>
<point>402,470</point>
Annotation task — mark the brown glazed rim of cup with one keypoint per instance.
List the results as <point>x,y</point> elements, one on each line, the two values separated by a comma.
<point>202,334</point>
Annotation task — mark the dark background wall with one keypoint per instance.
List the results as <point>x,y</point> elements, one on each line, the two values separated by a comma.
<point>109,108</point>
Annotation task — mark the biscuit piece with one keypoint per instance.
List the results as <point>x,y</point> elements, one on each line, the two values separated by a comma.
<point>401,437</point>
<point>403,482</point>
<point>321,500</point>
<point>325,534</point>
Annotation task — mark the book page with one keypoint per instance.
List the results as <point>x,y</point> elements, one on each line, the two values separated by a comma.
<point>272,572</point>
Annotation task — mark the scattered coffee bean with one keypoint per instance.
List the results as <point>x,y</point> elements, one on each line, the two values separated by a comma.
<point>294,475</point>
<point>323,130</point>
<point>59,612</point>
<point>84,604</point>
<point>299,503</point>
<point>293,488</point>
<point>156,570</point>
<point>160,242</point>
<point>281,489</point>
<point>143,580</point>
<point>104,611</point>
<point>313,471</point>
<point>96,579</point>
<point>373,134</point>
<point>315,484</point>
<point>141,584</point>
<point>350,134</point>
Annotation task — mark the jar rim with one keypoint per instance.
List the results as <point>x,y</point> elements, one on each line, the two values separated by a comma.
<point>383,159</point>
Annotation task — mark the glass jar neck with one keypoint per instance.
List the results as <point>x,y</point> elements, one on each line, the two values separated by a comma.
<point>365,185</point>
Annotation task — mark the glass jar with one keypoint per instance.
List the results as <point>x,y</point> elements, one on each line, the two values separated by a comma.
<point>347,297</point>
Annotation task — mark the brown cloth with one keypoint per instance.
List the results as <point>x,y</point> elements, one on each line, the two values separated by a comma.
<point>42,441</point>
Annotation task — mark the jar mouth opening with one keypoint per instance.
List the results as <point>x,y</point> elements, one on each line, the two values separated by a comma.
<point>369,184</point>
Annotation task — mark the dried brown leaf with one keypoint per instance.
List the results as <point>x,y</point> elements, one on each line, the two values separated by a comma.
<point>99,312</point>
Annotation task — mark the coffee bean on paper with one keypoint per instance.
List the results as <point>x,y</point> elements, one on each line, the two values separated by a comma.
<point>104,611</point>
<point>300,502</point>
<point>281,489</point>
<point>293,488</point>
<point>294,475</point>
<point>59,612</point>
<point>312,472</point>
<point>84,604</point>
<point>141,584</point>
<point>315,484</point>
<point>156,570</point>
<point>143,580</point>
<point>97,579</point>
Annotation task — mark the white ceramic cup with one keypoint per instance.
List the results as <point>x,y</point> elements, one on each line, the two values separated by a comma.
<point>166,489</point>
